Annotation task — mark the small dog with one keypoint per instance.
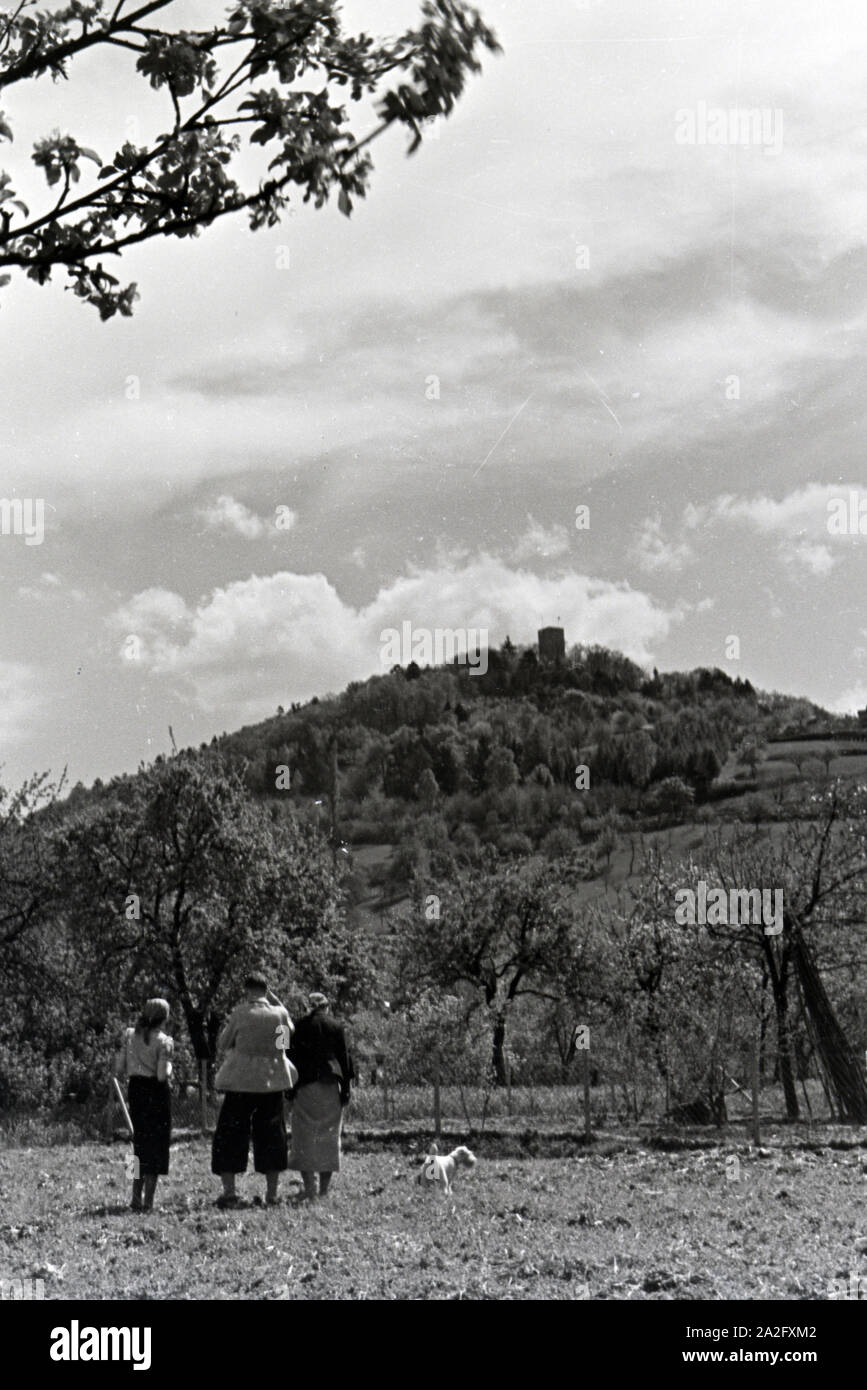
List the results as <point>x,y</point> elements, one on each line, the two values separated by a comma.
<point>437,1171</point>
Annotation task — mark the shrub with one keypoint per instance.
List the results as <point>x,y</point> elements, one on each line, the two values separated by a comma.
<point>515,844</point>
<point>558,843</point>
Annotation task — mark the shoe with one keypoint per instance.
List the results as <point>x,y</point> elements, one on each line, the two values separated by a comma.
<point>228,1200</point>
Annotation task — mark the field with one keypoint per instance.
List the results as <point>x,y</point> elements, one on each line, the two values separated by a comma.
<point>615,1221</point>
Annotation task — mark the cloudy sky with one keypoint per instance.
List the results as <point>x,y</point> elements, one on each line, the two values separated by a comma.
<point>573,295</point>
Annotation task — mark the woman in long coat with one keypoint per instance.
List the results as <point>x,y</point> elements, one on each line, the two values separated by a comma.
<point>325,1073</point>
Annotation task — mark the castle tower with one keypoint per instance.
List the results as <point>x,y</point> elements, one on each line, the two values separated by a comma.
<point>552,645</point>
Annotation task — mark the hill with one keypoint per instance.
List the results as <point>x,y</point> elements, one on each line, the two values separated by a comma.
<point>531,757</point>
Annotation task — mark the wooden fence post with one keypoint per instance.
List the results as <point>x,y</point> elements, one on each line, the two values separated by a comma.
<point>109,1108</point>
<point>203,1093</point>
<point>757,1139</point>
<point>438,1116</point>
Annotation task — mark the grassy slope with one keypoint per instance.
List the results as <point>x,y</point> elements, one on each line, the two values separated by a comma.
<point>633,1225</point>
<point>677,841</point>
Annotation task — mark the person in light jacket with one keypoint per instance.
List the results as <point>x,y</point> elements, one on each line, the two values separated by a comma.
<point>145,1058</point>
<point>255,1073</point>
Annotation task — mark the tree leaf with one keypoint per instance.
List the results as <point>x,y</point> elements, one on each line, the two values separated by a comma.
<point>344,202</point>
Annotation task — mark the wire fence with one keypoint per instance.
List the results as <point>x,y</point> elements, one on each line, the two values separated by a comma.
<point>472,1108</point>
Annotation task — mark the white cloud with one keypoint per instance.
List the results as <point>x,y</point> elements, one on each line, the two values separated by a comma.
<point>18,685</point>
<point>539,542</point>
<point>653,552</point>
<point>462,264</point>
<point>852,700</point>
<point>50,589</point>
<point>803,512</point>
<point>157,617</point>
<point>816,559</point>
<point>228,515</point>
<point>260,641</point>
<point>798,522</point>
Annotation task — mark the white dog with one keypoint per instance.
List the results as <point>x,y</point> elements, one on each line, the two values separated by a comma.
<point>437,1171</point>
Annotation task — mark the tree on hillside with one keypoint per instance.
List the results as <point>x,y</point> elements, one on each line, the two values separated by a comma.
<point>819,865</point>
<point>826,925</point>
<point>608,837</point>
<point>757,808</point>
<point>750,754</point>
<point>671,797</point>
<point>505,930</point>
<point>427,790</point>
<point>406,761</point>
<point>29,960</point>
<point>671,998</point>
<point>702,767</point>
<point>732,860</point>
<point>215,81</point>
<point>185,879</point>
<point>639,757</point>
<point>26,887</point>
<point>501,772</point>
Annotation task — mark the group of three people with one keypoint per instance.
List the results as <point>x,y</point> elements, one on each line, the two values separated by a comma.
<point>266,1058</point>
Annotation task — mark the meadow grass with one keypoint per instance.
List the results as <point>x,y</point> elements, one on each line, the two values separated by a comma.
<point>721,1222</point>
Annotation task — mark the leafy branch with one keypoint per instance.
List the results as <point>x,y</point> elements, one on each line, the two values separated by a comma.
<point>182,180</point>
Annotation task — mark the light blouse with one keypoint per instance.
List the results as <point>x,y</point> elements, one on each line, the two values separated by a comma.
<point>139,1058</point>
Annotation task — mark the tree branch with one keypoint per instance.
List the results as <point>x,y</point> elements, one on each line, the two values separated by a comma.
<point>39,60</point>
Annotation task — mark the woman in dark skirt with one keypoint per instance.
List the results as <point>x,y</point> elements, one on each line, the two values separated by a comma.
<point>145,1057</point>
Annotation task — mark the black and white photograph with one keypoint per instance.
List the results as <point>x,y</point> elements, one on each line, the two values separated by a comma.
<point>433,670</point>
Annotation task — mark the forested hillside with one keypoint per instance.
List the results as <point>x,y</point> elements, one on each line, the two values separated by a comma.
<point>472,865</point>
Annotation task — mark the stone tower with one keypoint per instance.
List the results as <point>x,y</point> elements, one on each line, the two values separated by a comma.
<point>552,645</point>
